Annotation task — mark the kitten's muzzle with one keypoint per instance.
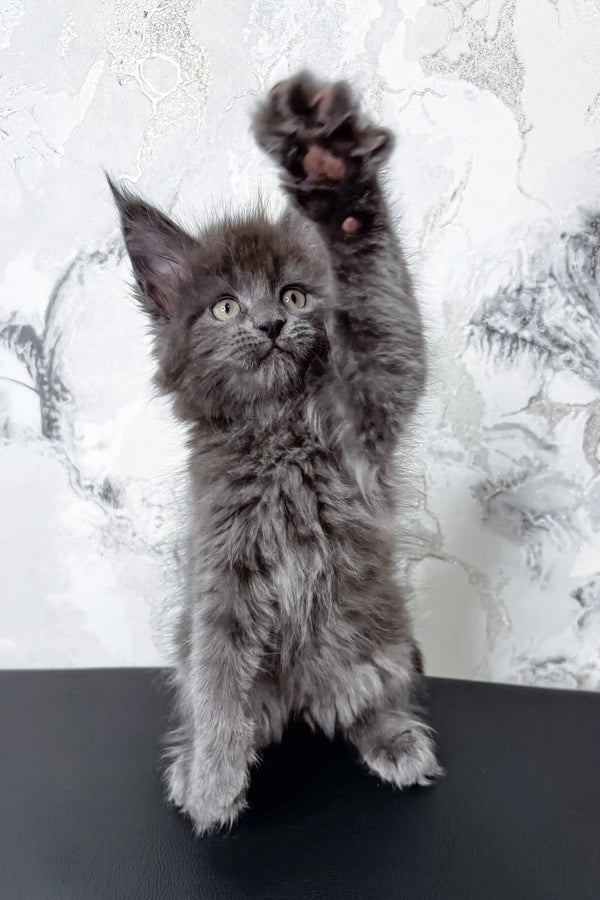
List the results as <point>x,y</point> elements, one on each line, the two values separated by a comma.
<point>272,329</point>
<point>272,349</point>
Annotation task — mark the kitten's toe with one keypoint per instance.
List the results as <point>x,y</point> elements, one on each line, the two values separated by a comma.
<point>176,780</point>
<point>295,96</point>
<point>405,758</point>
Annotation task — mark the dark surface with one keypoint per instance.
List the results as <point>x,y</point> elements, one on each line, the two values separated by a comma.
<point>81,815</point>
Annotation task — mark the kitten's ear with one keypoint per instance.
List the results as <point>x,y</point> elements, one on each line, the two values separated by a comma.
<point>160,252</point>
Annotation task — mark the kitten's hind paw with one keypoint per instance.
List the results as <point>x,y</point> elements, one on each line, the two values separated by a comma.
<point>404,757</point>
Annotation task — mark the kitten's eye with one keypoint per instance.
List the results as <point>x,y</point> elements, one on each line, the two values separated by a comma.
<point>293,299</point>
<point>225,309</point>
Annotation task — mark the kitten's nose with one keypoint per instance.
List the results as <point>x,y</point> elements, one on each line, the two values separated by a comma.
<point>272,329</point>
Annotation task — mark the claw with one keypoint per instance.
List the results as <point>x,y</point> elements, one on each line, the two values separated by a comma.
<point>278,89</point>
<point>371,142</point>
<point>323,101</point>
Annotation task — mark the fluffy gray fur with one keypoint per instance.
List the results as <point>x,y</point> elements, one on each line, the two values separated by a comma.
<point>292,606</point>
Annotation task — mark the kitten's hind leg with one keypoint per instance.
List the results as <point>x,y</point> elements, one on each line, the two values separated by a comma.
<point>371,702</point>
<point>393,741</point>
<point>396,746</point>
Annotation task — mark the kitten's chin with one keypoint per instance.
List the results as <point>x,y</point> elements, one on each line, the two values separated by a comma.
<point>273,351</point>
<point>277,372</point>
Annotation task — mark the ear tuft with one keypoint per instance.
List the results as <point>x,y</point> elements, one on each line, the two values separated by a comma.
<point>160,252</point>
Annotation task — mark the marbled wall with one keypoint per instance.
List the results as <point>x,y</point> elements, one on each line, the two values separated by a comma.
<point>497,107</point>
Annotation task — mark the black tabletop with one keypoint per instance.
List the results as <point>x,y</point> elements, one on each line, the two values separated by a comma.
<point>82,815</point>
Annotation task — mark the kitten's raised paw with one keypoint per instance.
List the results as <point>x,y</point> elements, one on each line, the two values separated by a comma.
<point>325,145</point>
<point>404,758</point>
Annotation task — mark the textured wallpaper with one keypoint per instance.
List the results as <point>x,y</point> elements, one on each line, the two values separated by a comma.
<point>496,179</point>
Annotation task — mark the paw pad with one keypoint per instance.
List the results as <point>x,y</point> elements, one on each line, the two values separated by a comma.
<point>319,161</point>
<point>350,225</point>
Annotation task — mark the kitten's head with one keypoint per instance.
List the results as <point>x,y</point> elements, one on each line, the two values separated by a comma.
<point>237,312</point>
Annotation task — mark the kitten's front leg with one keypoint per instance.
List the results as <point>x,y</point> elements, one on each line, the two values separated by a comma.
<point>330,156</point>
<point>208,774</point>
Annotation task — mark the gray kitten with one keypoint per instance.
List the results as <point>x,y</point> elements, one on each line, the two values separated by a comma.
<point>294,350</point>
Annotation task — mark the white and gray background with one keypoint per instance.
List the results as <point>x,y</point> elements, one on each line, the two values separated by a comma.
<point>496,104</point>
